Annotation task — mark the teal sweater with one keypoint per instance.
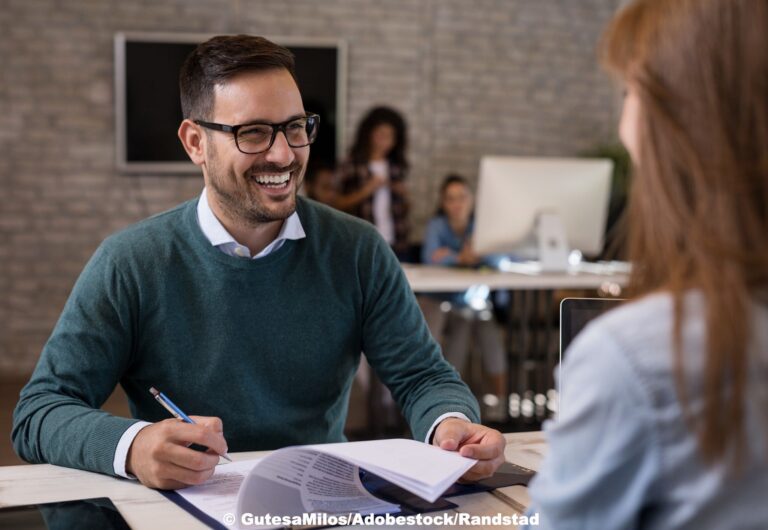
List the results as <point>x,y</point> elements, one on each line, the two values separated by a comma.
<point>270,345</point>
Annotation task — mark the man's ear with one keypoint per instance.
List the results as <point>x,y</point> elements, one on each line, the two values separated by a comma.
<point>193,141</point>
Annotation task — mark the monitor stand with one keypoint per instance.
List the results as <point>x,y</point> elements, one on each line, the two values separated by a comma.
<point>553,243</point>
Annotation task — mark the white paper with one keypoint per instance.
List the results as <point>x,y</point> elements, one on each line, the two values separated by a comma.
<point>422,469</point>
<point>218,496</point>
<point>298,480</point>
<point>326,478</point>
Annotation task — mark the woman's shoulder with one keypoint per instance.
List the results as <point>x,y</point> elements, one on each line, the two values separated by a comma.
<point>639,317</point>
<point>436,224</point>
<point>350,174</point>
<point>646,323</point>
<point>639,335</point>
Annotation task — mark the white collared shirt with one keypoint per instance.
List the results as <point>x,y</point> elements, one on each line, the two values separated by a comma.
<point>219,237</point>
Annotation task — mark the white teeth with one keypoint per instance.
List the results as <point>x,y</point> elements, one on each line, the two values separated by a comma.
<point>273,179</point>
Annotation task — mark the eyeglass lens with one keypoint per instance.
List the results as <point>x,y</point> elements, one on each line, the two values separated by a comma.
<point>256,138</point>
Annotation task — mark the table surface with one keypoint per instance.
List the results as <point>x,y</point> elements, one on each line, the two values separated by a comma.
<point>432,278</point>
<point>144,508</point>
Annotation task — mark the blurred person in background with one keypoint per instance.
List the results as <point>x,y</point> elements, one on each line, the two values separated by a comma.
<point>320,183</point>
<point>455,319</point>
<point>664,415</point>
<point>372,179</point>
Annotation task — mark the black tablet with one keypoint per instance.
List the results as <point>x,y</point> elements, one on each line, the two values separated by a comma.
<point>84,513</point>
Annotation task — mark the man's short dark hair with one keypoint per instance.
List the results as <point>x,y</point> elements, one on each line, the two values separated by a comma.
<point>219,59</point>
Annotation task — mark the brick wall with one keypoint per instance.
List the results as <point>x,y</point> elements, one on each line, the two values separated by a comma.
<point>473,78</point>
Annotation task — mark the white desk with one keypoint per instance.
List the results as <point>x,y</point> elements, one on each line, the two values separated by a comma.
<point>531,330</point>
<point>431,278</point>
<point>144,508</point>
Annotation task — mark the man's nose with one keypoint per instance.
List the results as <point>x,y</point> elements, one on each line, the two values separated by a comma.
<point>280,153</point>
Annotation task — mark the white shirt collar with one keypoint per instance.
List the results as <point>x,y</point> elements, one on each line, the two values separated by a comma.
<point>215,232</point>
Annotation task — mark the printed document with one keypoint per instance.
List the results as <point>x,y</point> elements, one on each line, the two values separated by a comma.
<point>325,478</point>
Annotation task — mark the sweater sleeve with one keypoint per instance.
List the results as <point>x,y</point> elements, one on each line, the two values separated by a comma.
<point>401,349</point>
<point>602,456</point>
<point>57,419</point>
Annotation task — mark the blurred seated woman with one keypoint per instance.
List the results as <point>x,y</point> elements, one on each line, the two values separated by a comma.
<point>451,318</point>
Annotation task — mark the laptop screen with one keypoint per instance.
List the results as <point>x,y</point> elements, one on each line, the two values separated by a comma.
<point>576,313</point>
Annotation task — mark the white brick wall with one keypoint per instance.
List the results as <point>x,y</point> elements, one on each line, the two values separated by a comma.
<point>472,78</point>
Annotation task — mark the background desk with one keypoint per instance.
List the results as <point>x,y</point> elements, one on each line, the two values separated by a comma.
<point>144,508</point>
<point>431,278</point>
<point>531,320</point>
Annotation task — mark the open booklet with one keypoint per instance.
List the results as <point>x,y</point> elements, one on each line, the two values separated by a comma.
<point>323,479</point>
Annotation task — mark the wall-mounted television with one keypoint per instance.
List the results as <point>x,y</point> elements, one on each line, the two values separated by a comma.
<point>148,110</point>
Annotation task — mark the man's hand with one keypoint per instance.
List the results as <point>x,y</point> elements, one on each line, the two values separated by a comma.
<point>472,441</point>
<point>160,456</point>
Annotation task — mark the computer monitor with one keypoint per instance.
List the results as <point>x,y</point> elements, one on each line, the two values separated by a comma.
<point>524,205</point>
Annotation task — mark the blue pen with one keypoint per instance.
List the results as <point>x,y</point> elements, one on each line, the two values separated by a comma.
<point>175,411</point>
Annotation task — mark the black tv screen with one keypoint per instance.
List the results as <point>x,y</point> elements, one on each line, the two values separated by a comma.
<point>149,111</point>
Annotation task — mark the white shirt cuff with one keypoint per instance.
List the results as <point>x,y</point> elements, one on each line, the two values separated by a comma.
<point>121,453</point>
<point>441,418</point>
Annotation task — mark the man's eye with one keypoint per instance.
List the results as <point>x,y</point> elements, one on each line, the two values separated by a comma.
<point>254,132</point>
<point>297,125</point>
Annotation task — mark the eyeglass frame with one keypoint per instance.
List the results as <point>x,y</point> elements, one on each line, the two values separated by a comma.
<point>276,127</point>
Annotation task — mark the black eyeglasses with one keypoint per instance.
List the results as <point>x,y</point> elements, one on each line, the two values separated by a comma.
<point>258,137</point>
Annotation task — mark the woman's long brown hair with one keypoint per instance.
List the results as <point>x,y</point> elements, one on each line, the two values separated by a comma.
<point>698,209</point>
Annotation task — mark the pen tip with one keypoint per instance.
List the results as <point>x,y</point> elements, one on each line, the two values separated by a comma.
<point>154,391</point>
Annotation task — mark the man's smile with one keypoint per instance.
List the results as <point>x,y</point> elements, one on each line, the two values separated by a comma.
<point>273,181</point>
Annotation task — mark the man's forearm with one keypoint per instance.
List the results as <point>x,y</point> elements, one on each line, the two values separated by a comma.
<point>58,429</point>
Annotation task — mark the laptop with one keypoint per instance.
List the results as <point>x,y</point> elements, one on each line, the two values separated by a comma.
<point>575,314</point>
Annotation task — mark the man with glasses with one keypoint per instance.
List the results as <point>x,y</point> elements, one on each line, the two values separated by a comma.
<point>249,306</point>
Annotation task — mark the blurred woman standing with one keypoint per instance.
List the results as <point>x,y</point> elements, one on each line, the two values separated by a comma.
<point>372,180</point>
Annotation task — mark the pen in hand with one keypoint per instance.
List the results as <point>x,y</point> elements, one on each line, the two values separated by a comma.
<point>175,411</point>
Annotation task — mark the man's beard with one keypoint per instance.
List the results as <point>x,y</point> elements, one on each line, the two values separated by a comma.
<point>239,199</point>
